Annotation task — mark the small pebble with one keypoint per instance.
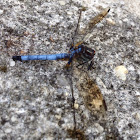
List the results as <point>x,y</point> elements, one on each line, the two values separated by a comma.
<point>99,128</point>
<point>47,42</point>
<point>1,12</point>
<point>110,21</point>
<point>13,119</point>
<point>45,90</point>
<point>62,2</point>
<point>50,138</point>
<point>137,42</point>
<point>137,116</point>
<point>120,72</point>
<point>58,117</point>
<point>69,13</point>
<point>66,94</point>
<point>131,68</point>
<point>12,63</point>
<point>7,130</point>
<point>76,106</point>
<point>139,99</point>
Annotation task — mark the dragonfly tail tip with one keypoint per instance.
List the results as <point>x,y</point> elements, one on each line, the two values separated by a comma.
<point>15,58</point>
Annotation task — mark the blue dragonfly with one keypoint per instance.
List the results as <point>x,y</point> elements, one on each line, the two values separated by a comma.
<point>79,51</point>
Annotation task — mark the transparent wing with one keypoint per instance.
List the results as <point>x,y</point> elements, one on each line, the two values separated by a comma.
<point>97,19</point>
<point>91,93</point>
<point>86,32</point>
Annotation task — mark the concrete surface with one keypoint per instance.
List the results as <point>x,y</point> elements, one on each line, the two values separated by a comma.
<point>35,96</point>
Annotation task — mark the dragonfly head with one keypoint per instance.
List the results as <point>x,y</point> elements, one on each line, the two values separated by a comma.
<point>88,53</point>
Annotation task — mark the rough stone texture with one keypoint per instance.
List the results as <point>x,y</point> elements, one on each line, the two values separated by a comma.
<point>35,97</point>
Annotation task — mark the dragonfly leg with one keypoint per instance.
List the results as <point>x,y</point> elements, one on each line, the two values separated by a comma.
<point>91,65</point>
<point>81,64</point>
<point>69,62</point>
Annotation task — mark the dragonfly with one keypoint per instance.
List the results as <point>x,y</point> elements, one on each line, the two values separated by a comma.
<point>84,55</point>
<point>79,51</point>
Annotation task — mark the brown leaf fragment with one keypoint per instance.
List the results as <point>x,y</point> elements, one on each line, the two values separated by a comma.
<point>76,134</point>
<point>3,68</point>
<point>22,52</point>
<point>8,43</point>
<point>51,39</point>
<point>26,33</point>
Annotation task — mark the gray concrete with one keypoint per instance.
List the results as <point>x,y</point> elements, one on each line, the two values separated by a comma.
<point>35,96</point>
